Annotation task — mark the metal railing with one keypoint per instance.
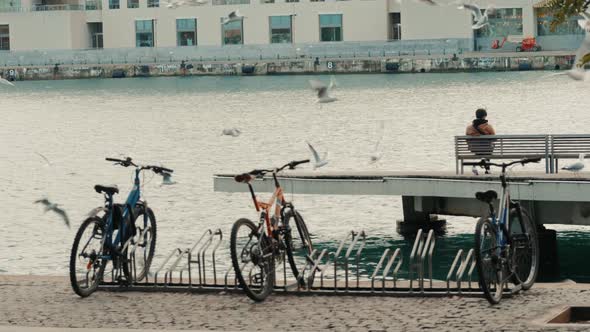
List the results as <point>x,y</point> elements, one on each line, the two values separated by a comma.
<point>549,147</point>
<point>235,53</point>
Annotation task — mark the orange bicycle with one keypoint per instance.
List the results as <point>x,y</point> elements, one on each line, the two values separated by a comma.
<point>254,249</point>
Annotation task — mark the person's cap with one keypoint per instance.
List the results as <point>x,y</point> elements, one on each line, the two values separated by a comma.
<point>481,113</point>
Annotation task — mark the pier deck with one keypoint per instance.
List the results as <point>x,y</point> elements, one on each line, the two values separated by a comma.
<point>552,198</point>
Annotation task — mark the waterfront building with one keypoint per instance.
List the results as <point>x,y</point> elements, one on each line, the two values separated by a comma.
<point>85,24</point>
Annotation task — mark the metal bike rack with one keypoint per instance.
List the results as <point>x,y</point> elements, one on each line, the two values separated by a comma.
<point>326,272</point>
<point>459,270</point>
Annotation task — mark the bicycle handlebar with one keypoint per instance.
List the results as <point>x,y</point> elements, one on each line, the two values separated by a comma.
<point>128,162</point>
<point>246,177</point>
<point>484,163</point>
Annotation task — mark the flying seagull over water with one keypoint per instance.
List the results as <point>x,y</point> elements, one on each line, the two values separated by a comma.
<point>317,161</point>
<point>376,154</point>
<point>5,82</point>
<point>578,72</point>
<point>44,158</point>
<point>577,166</point>
<point>481,20</point>
<point>323,91</point>
<point>234,132</point>
<point>233,16</point>
<point>54,207</point>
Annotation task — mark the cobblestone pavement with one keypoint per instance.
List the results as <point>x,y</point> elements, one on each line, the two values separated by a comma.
<point>49,302</point>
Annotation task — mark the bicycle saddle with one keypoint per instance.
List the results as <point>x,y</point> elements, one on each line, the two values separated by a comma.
<point>109,190</point>
<point>486,197</point>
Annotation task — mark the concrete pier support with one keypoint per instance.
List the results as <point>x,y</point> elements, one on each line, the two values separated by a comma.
<point>417,215</point>
<point>548,260</point>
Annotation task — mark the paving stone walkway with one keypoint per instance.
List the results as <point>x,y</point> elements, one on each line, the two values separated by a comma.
<point>49,302</point>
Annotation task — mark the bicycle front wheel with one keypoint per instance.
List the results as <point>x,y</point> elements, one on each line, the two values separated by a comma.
<point>488,260</point>
<point>144,242</point>
<point>525,248</point>
<point>297,242</point>
<point>86,262</point>
<point>253,259</point>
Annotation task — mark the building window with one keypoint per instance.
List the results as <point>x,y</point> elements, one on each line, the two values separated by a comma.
<point>144,33</point>
<point>153,3</point>
<point>233,32</point>
<point>331,27</point>
<point>186,32</point>
<point>4,38</point>
<point>569,27</point>
<point>10,5</point>
<point>114,4</point>
<point>132,3</point>
<point>281,29</point>
<point>503,22</point>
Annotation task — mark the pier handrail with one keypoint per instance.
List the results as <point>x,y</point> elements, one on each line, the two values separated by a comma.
<point>568,147</point>
<point>502,147</point>
<point>550,147</point>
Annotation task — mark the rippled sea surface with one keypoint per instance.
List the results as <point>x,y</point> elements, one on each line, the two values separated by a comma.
<point>177,122</point>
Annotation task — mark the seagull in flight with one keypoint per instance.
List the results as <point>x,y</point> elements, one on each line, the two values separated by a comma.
<point>577,166</point>
<point>234,132</point>
<point>233,16</point>
<point>49,206</point>
<point>481,20</point>
<point>5,81</point>
<point>376,154</point>
<point>578,72</point>
<point>323,91</point>
<point>167,179</point>
<point>44,158</point>
<point>317,161</point>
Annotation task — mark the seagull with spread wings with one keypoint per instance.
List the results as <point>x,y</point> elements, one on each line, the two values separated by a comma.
<point>49,206</point>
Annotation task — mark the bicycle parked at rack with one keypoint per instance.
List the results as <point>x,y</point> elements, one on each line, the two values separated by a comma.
<point>254,249</point>
<point>125,234</point>
<point>506,243</point>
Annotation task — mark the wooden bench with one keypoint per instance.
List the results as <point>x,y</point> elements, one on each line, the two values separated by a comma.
<point>502,147</point>
<point>568,147</point>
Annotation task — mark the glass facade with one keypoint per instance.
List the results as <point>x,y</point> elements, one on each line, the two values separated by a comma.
<point>114,4</point>
<point>503,22</point>
<point>233,33</point>
<point>144,33</point>
<point>281,29</point>
<point>10,5</point>
<point>186,32</point>
<point>153,3</point>
<point>132,3</point>
<point>569,27</point>
<point>4,37</point>
<point>331,27</point>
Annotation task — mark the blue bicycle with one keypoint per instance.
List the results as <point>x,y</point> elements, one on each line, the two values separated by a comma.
<point>122,233</point>
<point>506,243</point>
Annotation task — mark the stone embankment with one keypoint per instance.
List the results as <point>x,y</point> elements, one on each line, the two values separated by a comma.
<point>467,62</point>
<point>50,302</point>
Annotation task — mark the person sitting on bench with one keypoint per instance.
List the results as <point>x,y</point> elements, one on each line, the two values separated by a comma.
<point>480,127</point>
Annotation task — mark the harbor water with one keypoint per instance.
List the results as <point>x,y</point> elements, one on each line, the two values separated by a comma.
<point>177,122</point>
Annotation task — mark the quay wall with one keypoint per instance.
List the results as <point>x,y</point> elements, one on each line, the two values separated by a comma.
<point>416,64</point>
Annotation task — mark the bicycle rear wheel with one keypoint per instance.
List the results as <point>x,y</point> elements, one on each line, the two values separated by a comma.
<point>144,242</point>
<point>253,259</point>
<point>298,243</point>
<point>86,262</point>
<point>525,248</point>
<point>488,260</point>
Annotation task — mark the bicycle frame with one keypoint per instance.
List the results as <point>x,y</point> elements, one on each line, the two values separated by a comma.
<point>503,222</point>
<point>132,199</point>
<point>264,208</point>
